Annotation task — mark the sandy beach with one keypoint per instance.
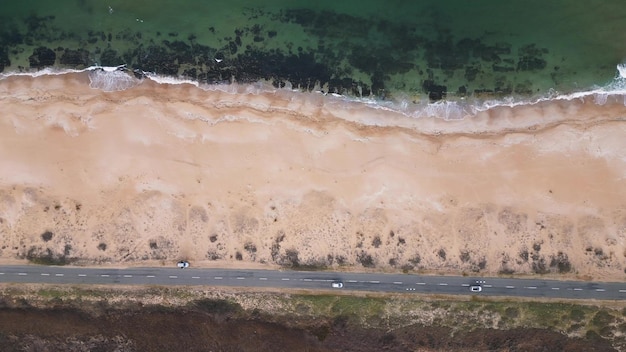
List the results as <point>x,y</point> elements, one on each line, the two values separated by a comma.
<point>158,173</point>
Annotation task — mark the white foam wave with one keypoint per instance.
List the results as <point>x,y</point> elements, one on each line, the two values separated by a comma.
<point>53,71</point>
<point>169,79</point>
<point>621,68</point>
<point>111,81</point>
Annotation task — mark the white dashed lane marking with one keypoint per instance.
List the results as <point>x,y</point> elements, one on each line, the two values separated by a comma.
<point>322,280</point>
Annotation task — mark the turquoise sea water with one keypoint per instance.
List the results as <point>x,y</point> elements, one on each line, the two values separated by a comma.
<point>415,51</point>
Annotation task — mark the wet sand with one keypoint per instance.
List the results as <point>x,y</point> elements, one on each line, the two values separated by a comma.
<point>158,173</point>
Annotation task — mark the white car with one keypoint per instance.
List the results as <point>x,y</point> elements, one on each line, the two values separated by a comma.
<point>476,288</point>
<point>337,284</point>
<point>183,264</point>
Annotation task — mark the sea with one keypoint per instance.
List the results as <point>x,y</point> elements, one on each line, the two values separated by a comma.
<point>447,59</point>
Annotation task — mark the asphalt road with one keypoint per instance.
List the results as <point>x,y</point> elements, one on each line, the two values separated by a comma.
<point>313,280</point>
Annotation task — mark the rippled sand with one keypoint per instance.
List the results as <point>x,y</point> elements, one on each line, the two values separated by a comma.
<point>158,173</point>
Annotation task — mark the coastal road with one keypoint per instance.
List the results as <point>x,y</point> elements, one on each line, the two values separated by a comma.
<point>314,280</point>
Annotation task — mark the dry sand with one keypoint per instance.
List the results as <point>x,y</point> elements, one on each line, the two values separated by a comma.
<point>158,173</point>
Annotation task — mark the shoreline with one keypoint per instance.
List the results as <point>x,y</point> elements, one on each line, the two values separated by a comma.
<point>412,106</point>
<point>162,172</point>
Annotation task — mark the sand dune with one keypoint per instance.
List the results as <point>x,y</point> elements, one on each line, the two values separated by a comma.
<point>158,173</point>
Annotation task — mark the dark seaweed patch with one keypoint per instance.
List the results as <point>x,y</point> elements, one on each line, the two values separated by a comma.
<point>4,59</point>
<point>42,57</point>
<point>157,59</point>
<point>75,58</point>
<point>110,57</point>
<point>435,91</point>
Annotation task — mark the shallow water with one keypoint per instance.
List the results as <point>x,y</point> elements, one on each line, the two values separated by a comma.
<point>411,51</point>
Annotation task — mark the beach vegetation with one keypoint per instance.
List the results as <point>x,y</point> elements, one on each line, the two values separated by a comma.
<point>47,236</point>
